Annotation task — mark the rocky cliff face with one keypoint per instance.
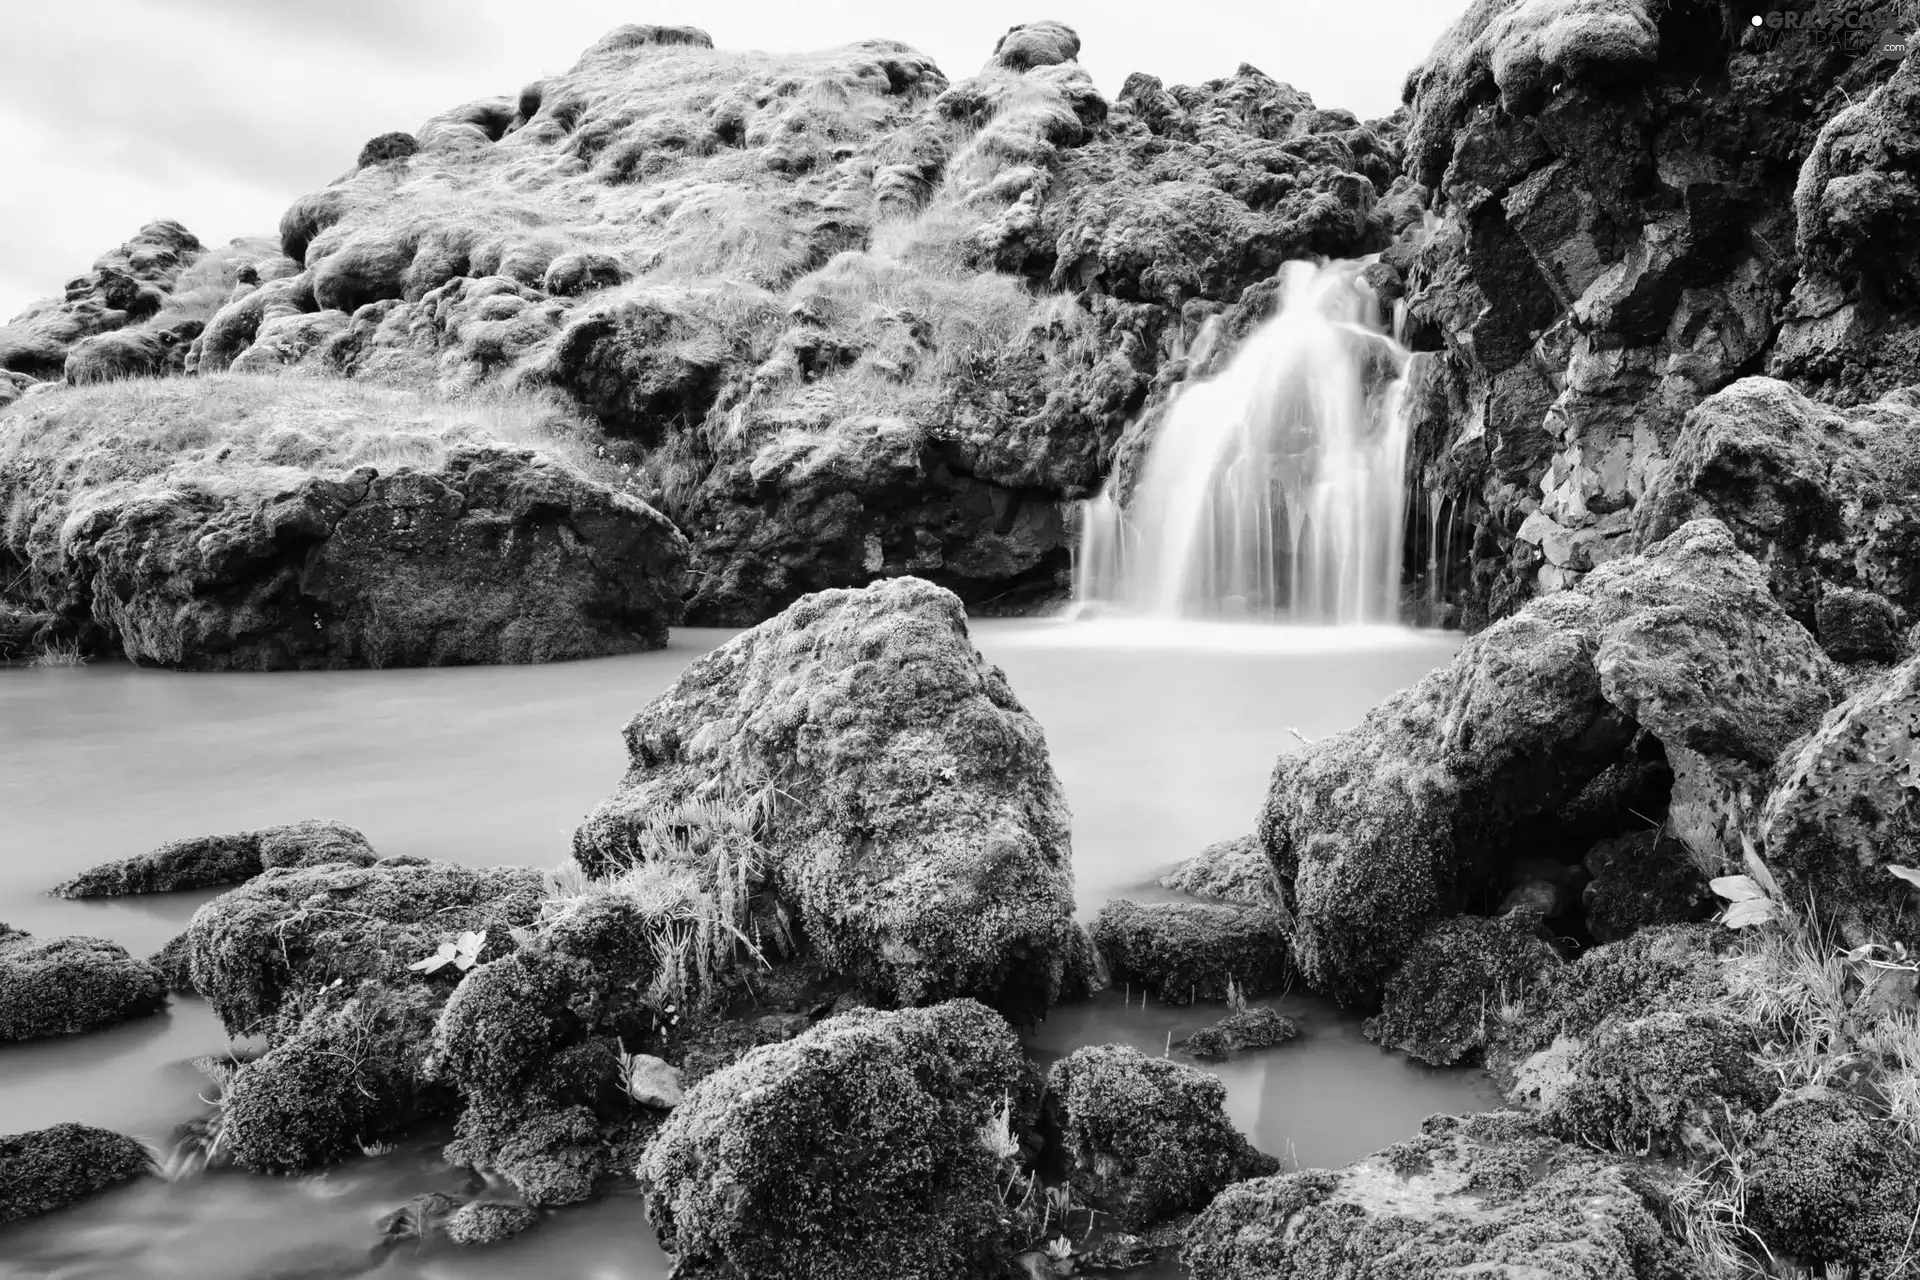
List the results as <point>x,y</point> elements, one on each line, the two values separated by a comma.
<point>1639,204</point>
<point>843,317</point>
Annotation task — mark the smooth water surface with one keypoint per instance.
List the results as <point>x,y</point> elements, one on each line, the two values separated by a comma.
<point>1164,738</point>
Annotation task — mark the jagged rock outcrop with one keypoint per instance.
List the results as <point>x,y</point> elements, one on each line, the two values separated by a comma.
<point>1514,751</point>
<point>918,833</point>
<point>1639,204</point>
<point>1827,499</point>
<point>262,525</point>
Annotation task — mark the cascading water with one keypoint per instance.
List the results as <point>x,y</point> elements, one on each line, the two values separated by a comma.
<point>1277,488</point>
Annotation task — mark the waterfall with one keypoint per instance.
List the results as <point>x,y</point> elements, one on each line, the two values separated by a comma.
<point>1275,489</point>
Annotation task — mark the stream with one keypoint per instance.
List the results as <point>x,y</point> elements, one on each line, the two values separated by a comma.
<point>1163,734</point>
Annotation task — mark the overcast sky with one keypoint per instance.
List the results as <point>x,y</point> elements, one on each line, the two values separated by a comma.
<point>219,112</point>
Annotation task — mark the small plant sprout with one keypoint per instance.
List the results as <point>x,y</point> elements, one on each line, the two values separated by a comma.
<point>996,1131</point>
<point>1753,898</point>
<point>462,954</point>
<point>1060,1249</point>
<point>1236,997</point>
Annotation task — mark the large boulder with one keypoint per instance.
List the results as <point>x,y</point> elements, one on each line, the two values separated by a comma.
<point>269,542</point>
<point>1438,1006</point>
<point>52,1168</point>
<point>1847,808</point>
<point>852,1151</point>
<point>1146,1138</point>
<point>202,862</point>
<point>1831,1182</point>
<point>1485,1195</point>
<point>1430,805</point>
<point>914,823</point>
<point>1827,500</point>
<point>57,986</point>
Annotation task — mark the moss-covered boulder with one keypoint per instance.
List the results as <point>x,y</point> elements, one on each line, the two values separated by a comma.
<point>1146,1138</point>
<point>1639,879</point>
<point>1188,951</point>
<point>50,1169</point>
<point>347,1074</point>
<point>489,1222</point>
<point>301,930</point>
<point>1485,1195</point>
<point>853,1150</point>
<point>1830,1182</point>
<point>917,829</point>
<point>203,862</point>
<point>1254,1027</point>
<point>57,986</point>
<point>1847,807</point>
<point>1235,870</point>
<point>1423,810</point>
<point>1437,1007</point>
<point>1670,1082</point>
<point>532,1041</point>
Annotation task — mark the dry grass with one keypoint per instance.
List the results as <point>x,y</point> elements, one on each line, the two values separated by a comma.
<point>234,434</point>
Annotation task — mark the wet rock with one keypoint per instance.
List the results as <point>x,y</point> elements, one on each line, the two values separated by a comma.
<point>1830,1182</point>
<point>1487,1193</point>
<point>1146,1138</point>
<point>532,1042</point>
<point>59,986</point>
<point>418,1220</point>
<point>49,1169</point>
<point>1257,1027</point>
<point>479,552</point>
<point>1669,1083</point>
<point>203,862</point>
<point>1189,951</point>
<point>1847,807</point>
<point>489,1222</point>
<point>1421,811</point>
<point>291,933</point>
<point>1234,871</point>
<point>653,1082</point>
<point>920,834</point>
<point>1827,500</point>
<point>1437,1007</point>
<point>852,1150</point>
<point>174,962</point>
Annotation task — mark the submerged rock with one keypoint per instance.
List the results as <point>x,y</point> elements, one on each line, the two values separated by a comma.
<point>1146,1138</point>
<point>1422,810</point>
<point>489,1222</point>
<point>1257,1027</point>
<point>917,827</point>
<point>49,1169</point>
<point>1189,951</point>
<point>1437,1008</point>
<point>1487,1194</point>
<point>851,1151</point>
<point>58,986</point>
<point>206,861</point>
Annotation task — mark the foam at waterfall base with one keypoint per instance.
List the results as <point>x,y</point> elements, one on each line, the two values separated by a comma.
<point>1085,627</point>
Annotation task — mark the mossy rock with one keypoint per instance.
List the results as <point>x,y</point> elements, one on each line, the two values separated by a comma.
<point>1438,1005</point>
<point>489,1222</point>
<point>1671,1083</point>
<point>1253,1028</point>
<point>59,986</point>
<point>52,1168</point>
<point>1831,1182</point>
<point>1189,951</point>
<point>851,1151</point>
<point>204,862</point>
<point>1481,1195</point>
<point>1146,1138</point>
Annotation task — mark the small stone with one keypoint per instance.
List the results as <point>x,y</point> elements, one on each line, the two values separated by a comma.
<point>653,1082</point>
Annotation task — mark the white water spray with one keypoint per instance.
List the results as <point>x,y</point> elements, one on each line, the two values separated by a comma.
<point>1277,488</point>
